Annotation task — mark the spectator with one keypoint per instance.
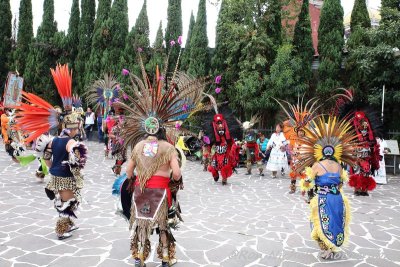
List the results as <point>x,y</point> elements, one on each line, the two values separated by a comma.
<point>89,123</point>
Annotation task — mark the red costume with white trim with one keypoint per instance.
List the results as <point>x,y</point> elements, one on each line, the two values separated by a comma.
<point>222,158</point>
<point>361,176</point>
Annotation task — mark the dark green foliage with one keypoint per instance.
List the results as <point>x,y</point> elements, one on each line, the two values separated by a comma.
<point>185,61</point>
<point>99,42</point>
<point>359,15</point>
<point>157,52</point>
<point>72,39</point>
<point>5,38</point>
<point>117,26</point>
<point>138,40</point>
<point>174,29</point>
<point>24,37</point>
<point>86,26</point>
<point>389,10</point>
<point>331,41</point>
<point>43,55</point>
<point>199,57</point>
<point>303,47</point>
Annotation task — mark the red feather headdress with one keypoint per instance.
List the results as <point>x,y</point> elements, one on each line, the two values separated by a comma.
<point>63,79</point>
<point>35,116</point>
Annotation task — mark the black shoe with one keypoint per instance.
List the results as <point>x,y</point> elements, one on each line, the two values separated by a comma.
<point>224,182</point>
<point>248,173</point>
<point>64,236</point>
<point>164,264</point>
<point>216,178</point>
<point>261,174</point>
<point>357,193</point>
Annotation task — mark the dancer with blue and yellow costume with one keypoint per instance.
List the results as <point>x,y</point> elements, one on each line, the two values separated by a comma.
<point>328,143</point>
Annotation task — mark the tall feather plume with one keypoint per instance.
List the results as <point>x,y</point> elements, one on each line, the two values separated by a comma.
<point>63,80</point>
<point>35,116</point>
<point>103,92</point>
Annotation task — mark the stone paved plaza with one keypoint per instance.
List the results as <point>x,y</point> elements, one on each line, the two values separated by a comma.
<point>251,222</point>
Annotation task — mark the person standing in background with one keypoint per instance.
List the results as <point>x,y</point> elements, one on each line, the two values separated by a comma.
<point>100,134</point>
<point>89,123</point>
<point>278,159</point>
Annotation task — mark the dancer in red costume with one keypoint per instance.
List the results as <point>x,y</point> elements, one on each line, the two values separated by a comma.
<point>221,162</point>
<point>361,176</point>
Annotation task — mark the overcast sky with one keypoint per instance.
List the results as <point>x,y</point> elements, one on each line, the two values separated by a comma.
<point>156,10</point>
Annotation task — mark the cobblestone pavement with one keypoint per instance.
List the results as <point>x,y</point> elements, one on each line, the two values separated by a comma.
<point>251,222</point>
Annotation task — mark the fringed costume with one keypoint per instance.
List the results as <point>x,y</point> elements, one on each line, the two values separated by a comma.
<point>154,112</point>
<point>118,150</point>
<point>325,145</point>
<point>251,146</point>
<point>66,156</point>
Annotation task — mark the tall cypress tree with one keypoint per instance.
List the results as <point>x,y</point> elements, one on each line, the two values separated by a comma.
<point>273,22</point>
<point>359,15</point>
<point>117,26</point>
<point>100,41</point>
<point>73,34</point>
<point>24,36</point>
<point>138,39</point>
<point>157,52</point>
<point>199,57</point>
<point>42,56</point>
<point>303,46</point>
<point>5,37</point>
<point>331,41</point>
<point>86,26</point>
<point>174,28</point>
<point>186,53</point>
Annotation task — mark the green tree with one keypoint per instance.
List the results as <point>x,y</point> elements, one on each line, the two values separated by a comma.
<point>389,10</point>
<point>303,47</point>
<point>359,15</point>
<point>272,20</point>
<point>185,62</point>
<point>117,26</point>
<point>24,36</point>
<point>138,42</point>
<point>284,76</point>
<point>100,41</point>
<point>157,52</point>
<point>174,29</point>
<point>86,26</point>
<point>43,55</point>
<point>199,57</point>
<point>359,24</point>
<point>72,39</point>
<point>331,41</point>
<point>5,37</point>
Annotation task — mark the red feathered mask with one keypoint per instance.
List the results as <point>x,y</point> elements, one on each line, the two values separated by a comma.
<point>361,122</point>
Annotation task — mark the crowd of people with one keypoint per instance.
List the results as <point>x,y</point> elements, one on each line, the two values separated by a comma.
<point>318,150</point>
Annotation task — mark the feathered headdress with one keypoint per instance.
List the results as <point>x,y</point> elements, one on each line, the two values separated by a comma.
<point>36,116</point>
<point>162,104</point>
<point>253,121</point>
<point>63,79</point>
<point>103,93</point>
<point>327,138</point>
<point>298,115</point>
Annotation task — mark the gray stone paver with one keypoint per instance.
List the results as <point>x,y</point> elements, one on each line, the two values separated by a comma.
<point>250,222</point>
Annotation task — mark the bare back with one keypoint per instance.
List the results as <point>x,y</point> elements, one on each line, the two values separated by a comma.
<point>329,165</point>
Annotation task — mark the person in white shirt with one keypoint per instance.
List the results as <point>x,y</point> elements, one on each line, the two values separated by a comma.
<point>278,159</point>
<point>89,123</point>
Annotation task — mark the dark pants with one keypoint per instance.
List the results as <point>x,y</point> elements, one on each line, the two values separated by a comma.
<point>88,130</point>
<point>100,133</point>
